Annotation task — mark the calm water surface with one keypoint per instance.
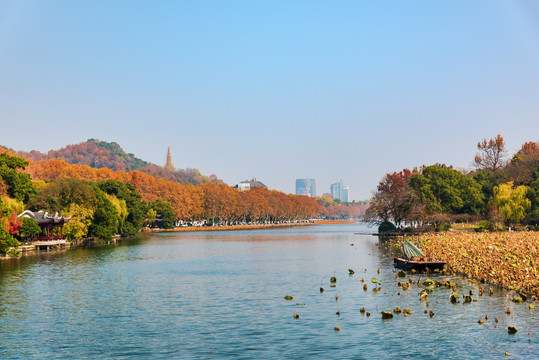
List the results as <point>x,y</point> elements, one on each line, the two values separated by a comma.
<point>220,295</point>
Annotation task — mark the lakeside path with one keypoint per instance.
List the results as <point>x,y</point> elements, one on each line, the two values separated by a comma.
<point>507,259</point>
<point>244,227</point>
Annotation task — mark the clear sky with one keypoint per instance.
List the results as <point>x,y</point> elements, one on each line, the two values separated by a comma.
<point>276,90</point>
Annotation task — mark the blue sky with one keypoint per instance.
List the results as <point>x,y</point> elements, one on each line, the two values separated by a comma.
<point>276,90</point>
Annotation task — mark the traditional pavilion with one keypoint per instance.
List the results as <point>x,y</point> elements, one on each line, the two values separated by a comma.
<point>51,225</point>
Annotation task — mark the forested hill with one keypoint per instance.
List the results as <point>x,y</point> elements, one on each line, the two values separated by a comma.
<point>102,154</point>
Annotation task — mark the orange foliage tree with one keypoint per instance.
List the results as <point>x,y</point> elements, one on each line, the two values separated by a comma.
<point>211,200</point>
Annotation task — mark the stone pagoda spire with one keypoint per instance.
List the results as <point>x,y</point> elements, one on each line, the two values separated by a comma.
<point>169,165</point>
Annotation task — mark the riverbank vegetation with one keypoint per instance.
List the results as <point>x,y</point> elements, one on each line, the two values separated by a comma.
<point>103,202</point>
<point>507,259</point>
<point>334,209</point>
<point>499,192</point>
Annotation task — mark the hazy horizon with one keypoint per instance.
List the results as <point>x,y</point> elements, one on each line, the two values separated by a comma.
<point>273,90</point>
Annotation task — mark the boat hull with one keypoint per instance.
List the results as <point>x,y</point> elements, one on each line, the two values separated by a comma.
<point>406,264</point>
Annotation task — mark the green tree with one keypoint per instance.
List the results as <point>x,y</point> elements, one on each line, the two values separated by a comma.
<point>29,228</point>
<point>105,221</point>
<point>486,181</point>
<point>121,209</point>
<point>533,194</point>
<point>512,204</point>
<point>78,225</point>
<point>447,190</point>
<point>164,213</point>
<point>151,216</point>
<point>136,208</point>
<point>60,194</point>
<point>19,185</point>
<point>7,241</point>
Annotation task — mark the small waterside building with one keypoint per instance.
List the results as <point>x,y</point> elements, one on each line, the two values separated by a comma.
<point>250,184</point>
<point>51,225</point>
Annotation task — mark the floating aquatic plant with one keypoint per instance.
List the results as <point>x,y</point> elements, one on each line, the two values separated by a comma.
<point>387,315</point>
<point>507,259</point>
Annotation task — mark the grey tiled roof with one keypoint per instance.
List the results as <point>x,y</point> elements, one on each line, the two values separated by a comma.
<point>42,217</point>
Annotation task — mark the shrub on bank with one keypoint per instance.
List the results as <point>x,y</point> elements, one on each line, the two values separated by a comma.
<point>386,226</point>
<point>485,225</point>
<point>445,226</point>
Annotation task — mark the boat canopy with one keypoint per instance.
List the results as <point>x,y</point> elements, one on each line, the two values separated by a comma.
<point>410,250</point>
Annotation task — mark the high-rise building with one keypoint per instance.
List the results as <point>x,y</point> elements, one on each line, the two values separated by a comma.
<point>339,191</point>
<point>345,191</point>
<point>168,164</point>
<point>306,187</point>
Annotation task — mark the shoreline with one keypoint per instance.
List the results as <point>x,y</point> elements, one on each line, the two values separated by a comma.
<point>227,227</point>
<point>37,248</point>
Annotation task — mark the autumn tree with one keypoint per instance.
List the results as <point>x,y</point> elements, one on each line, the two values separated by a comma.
<point>393,199</point>
<point>529,148</point>
<point>491,153</point>
<point>524,162</point>
<point>190,201</point>
<point>7,240</point>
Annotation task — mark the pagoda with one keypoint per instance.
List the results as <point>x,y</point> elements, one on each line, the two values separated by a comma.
<point>169,165</point>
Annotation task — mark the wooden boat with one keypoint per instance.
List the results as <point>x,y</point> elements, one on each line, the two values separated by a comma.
<point>414,259</point>
<point>418,264</point>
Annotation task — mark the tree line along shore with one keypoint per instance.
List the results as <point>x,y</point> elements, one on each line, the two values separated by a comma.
<point>483,222</point>
<point>500,193</point>
<point>103,203</point>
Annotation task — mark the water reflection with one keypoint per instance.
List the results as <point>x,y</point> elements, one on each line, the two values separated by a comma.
<point>220,295</point>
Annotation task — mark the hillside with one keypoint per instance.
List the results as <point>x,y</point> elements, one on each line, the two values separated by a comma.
<point>102,154</point>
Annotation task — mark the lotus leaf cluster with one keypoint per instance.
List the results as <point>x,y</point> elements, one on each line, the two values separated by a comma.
<point>509,259</point>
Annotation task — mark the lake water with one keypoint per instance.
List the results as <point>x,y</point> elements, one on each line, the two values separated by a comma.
<point>220,295</point>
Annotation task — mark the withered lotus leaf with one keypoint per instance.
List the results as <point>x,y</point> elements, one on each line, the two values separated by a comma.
<point>387,315</point>
<point>508,259</point>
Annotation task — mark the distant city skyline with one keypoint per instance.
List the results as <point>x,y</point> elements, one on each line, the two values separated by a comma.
<point>340,191</point>
<point>306,187</point>
<point>257,89</point>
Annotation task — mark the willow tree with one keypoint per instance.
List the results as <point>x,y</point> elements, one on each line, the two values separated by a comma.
<point>512,203</point>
